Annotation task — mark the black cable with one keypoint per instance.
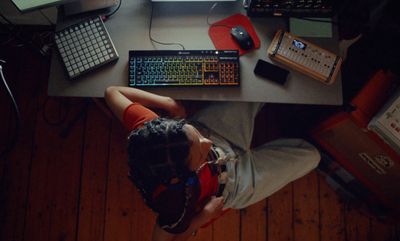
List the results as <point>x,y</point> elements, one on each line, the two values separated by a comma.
<point>47,18</point>
<point>64,114</point>
<point>10,30</point>
<point>213,24</point>
<point>115,10</point>
<point>155,41</point>
<point>30,44</point>
<point>6,19</point>
<point>14,140</point>
<point>67,129</point>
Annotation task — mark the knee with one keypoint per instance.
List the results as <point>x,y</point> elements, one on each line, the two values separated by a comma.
<point>313,154</point>
<point>299,149</point>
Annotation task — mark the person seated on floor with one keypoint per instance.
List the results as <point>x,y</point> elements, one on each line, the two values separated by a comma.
<point>190,171</point>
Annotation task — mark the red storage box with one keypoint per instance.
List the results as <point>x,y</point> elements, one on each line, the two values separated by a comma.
<point>360,151</point>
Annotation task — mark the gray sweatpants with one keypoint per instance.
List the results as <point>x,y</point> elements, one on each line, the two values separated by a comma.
<point>255,173</point>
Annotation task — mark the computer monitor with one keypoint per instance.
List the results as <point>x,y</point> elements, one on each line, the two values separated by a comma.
<point>70,6</point>
<point>82,6</point>
<point>193,0</point>
<point>30,5</point>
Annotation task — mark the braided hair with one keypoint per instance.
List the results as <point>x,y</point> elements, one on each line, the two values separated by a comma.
<point>158,152</point>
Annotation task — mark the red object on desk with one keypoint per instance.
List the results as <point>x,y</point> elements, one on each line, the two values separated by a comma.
<point>220,33</point>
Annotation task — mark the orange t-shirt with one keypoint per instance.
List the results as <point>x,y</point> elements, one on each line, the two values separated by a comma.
<point>135,115</point>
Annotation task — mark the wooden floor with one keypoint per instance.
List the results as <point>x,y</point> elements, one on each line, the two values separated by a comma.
<point>67,184</point>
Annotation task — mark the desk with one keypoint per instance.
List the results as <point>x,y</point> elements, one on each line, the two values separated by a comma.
<point>186,23</point>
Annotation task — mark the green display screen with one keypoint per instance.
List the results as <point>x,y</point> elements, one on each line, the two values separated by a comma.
<point>28,5</point>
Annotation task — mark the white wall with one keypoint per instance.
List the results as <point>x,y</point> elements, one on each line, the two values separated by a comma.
<point>8,9</point>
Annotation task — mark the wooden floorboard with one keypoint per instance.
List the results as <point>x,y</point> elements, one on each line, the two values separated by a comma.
<point>306,208</point>
<point>227,228</point>
<point>280,215</point>
<point>254,222</point>
<point>120,195</point>
<point>331,214</point>
<point>55,179</point>
<point>94,175</point>
<point>357,225</point>
<point>70,184</point>
<point>382,232</point>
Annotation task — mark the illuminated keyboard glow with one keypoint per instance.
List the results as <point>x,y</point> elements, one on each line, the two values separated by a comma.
<point>184,68</point>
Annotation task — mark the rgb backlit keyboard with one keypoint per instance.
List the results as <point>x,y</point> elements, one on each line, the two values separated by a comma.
<point>184,68</point>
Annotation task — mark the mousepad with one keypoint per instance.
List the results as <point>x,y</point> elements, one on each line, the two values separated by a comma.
<point>220,33</point>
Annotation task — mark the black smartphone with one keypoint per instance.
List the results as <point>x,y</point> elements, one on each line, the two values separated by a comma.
<point>271,72</point>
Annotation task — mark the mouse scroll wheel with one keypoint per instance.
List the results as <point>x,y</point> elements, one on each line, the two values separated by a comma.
<point>241,33</point>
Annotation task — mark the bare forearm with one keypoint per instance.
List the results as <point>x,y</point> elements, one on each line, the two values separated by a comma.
<point>119,97</point>
<point>143,97</point>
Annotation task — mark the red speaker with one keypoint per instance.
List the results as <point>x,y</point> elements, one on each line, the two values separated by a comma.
<point>360,151</point>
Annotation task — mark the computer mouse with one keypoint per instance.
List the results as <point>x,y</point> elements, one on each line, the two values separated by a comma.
<point>242,37</point>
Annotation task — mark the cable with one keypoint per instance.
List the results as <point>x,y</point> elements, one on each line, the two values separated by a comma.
<point>11,31</point>
<point>6,19</point>
<point>209,12</point>
<point>67,129</point>
<point>115,10</point>
<point>64,115</point>
<point>13,142</point>
<point>155,41</point>
<point>47,18</point>
<point>212,24</point>
<point>16,34</point>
